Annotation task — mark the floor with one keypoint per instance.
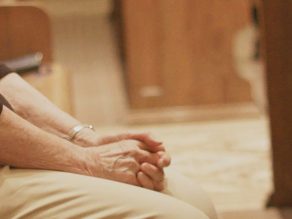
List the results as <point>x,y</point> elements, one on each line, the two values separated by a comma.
<point>229,158</point>
<point>257,214</point>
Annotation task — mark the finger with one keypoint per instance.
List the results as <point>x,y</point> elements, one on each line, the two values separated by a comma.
<point>129,179</point>
<point>146,138</point>
<point>159,186</point>
<point>127,164</point>
<point>164,160</point>
<point>151,143</point>
<point>153,172</point>
<point>158,178</point>
<point>127,149</point>
<point>143,137</point>
<point>152,149</point>
<point>109,139</point>
<point>145,181</point>
<point>147,157</point>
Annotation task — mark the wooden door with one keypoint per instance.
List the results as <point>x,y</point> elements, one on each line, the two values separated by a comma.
<point>179,52</point>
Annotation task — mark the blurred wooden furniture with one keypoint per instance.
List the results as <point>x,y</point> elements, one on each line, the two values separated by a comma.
<point>278,51</point>
<point>26,29</point>
<point>179,53</point>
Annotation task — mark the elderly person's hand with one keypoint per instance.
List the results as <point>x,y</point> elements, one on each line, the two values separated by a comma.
<point>88,138</point>
<point>150,175</point>
<point>38,110</point>
<point>126,161</point>
<point>148,143</point>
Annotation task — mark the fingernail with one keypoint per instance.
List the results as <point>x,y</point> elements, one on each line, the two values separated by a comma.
<point>157,144</point>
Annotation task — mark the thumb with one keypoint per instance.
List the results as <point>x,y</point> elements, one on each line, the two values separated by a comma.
<point>152,144</point>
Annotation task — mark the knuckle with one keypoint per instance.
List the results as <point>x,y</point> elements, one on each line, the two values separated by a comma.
<point>135,150</point>
<point>134,143</point>
<point>131,144</point>
<point>132,164</point>
<point>131,141</point>
<point>129,175</point>
<point>135,166</point>
<point>123,144</point>
<point>132,179</point>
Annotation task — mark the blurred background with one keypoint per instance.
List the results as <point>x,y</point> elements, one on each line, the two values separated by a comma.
<point>190,72</point>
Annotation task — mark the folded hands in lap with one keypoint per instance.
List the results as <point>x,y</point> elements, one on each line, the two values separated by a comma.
<point>135,159</point>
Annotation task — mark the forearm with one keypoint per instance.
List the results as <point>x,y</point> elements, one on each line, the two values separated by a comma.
<point>25,146</point>
<point>36,108</point>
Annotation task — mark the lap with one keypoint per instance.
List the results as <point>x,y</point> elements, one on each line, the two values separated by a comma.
<point>52,194</point>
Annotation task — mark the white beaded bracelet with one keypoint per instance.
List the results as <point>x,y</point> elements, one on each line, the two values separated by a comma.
<point>76,129</point>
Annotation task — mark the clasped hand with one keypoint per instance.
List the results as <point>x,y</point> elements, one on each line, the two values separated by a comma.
<point>135,159</point>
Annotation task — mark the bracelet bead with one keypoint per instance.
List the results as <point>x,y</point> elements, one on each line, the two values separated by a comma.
<point>76,129</point>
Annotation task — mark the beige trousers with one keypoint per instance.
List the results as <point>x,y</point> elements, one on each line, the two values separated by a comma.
<point>51,194</point>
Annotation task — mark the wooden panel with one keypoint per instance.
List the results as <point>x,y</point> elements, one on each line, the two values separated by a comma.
<point>24,29</point>
<point>278,47</point>
<point>180,52</point>
<point>143,48</point>
<point>198,113</point>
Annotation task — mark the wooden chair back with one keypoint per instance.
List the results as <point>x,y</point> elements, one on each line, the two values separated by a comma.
<point>24,29</point>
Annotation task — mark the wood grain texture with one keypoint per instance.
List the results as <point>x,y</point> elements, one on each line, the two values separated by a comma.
<point>278,46</point>
<point>24,29</point>
<point>185,49</point>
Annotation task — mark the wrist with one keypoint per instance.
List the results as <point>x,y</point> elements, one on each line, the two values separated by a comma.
<point>79,161</point>
<point>86,138</point>
<point>82,135</point>
<point>91,162</point>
